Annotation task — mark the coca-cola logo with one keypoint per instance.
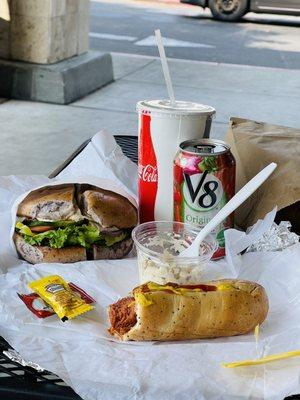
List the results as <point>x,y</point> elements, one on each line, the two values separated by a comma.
<point>148,173</point>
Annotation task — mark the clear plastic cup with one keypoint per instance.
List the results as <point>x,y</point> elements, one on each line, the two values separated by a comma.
<point>159,244</point>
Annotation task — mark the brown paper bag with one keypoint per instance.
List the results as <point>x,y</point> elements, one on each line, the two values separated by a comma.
<point>255,145</point>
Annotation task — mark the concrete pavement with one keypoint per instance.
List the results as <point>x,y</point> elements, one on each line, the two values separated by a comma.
<point>36,137</point>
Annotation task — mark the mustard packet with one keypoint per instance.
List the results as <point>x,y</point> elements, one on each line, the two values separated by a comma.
<point>55,291</point>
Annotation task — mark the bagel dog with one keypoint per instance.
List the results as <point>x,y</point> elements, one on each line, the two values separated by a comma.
<point>180,312</point>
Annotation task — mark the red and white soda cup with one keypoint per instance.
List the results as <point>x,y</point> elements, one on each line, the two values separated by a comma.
<point>162,127</point>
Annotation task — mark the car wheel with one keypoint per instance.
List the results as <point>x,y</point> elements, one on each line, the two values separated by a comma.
<point>228,10</point>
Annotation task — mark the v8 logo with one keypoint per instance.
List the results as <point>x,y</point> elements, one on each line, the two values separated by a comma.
<point>202,191</point>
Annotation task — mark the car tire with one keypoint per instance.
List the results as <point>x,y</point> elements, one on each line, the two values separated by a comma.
<point>228,10</point>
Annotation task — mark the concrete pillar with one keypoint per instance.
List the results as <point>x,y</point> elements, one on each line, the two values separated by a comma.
<point>49,32</point>
<point>4,29</point>
<point>44,31</point>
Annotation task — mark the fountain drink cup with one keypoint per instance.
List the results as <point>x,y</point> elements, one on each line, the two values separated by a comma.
<point>204,181</point>
<point>162,127</point>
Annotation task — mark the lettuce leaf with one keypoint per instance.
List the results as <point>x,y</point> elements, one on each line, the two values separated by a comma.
<point>111,240</point>
<point>55,239</point>
<point>72,235</point>
<point>84,235</point>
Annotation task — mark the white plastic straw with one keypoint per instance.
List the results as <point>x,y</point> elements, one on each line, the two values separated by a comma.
<point>165,67</point>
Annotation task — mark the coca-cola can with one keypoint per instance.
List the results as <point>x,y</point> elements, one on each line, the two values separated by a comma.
<point>162,127</point>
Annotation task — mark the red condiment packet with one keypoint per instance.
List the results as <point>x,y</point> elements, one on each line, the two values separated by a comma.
<point>36,305</point>
<point>86,297</point>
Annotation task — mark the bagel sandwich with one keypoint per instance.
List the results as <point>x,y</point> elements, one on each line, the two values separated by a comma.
<point>74,222</point>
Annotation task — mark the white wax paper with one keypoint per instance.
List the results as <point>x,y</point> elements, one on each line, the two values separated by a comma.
<point>103,158</point>
<point>83,354</point>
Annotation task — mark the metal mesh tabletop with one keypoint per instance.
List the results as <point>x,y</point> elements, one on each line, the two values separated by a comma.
<point>25,383</point>
<point>129,145</point>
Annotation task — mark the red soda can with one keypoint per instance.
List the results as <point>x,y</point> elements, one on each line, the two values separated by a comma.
<point>204,181</point>
<point>162,127</point>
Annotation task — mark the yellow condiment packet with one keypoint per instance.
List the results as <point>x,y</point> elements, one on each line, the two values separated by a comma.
<point>55,291</point>
<point>263,360</point>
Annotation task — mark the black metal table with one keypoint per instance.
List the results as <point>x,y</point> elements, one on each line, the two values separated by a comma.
<point>25,383</point>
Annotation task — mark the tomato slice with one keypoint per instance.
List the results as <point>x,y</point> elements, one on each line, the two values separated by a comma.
<point>42,228</point>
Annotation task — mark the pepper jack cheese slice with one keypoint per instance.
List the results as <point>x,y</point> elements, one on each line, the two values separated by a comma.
<point>180,312</point>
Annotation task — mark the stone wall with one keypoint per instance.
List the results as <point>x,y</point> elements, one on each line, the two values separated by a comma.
<point>44,31</point>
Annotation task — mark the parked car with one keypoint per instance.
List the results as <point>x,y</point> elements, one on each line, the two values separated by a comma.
<point>232,10</point>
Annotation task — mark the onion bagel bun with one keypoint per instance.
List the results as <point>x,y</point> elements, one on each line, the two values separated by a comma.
<point>181,312</point>
<point>74,222</point>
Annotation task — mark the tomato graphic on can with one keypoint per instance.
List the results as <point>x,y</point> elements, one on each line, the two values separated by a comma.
<point>204,181</point>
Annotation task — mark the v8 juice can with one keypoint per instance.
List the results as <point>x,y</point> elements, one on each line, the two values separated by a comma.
<point>162,127</point>
<point>204,181</point>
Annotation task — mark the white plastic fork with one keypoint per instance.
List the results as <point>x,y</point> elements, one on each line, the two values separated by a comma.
<point>235,202</point>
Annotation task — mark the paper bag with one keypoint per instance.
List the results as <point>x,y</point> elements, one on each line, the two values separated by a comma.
<point>255,145</point>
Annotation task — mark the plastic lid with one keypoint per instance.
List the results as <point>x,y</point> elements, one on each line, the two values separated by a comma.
<point>181,107</point>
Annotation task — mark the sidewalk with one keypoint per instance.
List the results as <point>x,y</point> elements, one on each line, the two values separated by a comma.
<point>36,137</point>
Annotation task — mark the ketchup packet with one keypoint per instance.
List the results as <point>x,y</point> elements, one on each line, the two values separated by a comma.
<point>36,305</point>
<point>54,295</point>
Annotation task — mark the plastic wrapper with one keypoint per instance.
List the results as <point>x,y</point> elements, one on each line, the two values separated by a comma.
<point>15,357</point>
<point>277,238</point>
